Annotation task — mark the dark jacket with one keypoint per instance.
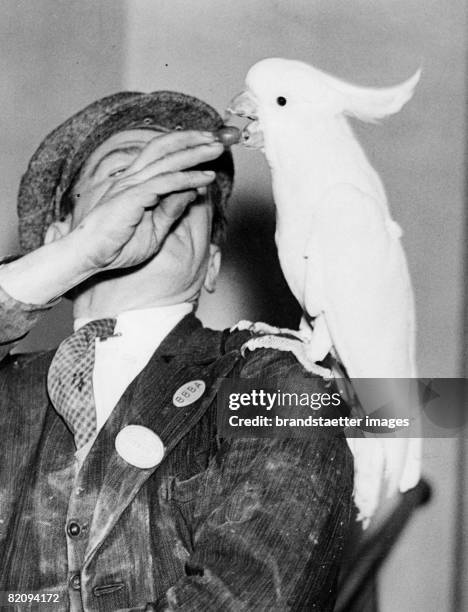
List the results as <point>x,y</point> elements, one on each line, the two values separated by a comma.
<point>218,525</point>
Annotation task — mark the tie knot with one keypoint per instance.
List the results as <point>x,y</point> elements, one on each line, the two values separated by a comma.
<point>100,328</point>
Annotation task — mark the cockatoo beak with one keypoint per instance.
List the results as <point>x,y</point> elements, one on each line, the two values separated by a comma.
<point>245,105</point>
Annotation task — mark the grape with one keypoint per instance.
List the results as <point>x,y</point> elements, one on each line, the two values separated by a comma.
<point>228,135</point>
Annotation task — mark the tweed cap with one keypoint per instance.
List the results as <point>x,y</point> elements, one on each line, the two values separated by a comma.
<point>61,155</point>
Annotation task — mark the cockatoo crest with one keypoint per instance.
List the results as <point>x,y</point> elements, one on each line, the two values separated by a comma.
<point>278,83</point>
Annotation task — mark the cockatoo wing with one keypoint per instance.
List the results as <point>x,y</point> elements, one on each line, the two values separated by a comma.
<point>355,257</point>
<point>357,267</point>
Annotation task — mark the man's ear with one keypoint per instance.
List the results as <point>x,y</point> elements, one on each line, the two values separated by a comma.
<point>58,229</point>
<point>212,271</point>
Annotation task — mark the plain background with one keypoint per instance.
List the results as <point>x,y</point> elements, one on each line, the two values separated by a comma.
<point>58,55</point>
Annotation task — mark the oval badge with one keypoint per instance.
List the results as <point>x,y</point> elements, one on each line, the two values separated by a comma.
<point>188,393</point>
<point>139,446</point>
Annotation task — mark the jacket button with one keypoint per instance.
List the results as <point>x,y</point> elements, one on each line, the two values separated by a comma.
<point>75,582</point>
<point>73,529</point>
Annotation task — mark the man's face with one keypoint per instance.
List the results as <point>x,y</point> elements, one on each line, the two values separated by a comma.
<point>180,266</point>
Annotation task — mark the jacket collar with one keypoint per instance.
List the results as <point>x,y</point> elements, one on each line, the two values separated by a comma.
<point>185,340</point>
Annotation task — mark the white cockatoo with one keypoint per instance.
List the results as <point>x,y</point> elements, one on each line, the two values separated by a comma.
<point>338,245</point>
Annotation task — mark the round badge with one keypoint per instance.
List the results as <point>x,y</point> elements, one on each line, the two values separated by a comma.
<point>139,446</point>
<point>189,393</point>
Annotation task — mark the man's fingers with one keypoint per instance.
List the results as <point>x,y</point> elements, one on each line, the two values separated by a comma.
<point>159,147</point>
<point>164,184</point>
<point>169,210</point>
<point>181,160</point>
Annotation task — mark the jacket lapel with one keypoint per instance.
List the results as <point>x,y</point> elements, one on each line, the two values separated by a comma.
<point>187,354</point>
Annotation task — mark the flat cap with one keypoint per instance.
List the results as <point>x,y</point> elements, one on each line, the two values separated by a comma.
<point>59,158</point>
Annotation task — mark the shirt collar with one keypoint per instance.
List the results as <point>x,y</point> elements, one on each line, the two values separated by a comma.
<point>143,321</point>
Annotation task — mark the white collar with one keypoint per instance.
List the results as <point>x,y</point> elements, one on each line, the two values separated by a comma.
<point>141,320</point>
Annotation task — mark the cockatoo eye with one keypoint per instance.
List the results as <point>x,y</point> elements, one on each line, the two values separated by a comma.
<point>281,101</point>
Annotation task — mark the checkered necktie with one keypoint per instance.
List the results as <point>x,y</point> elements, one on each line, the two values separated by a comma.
<point>70,379</point>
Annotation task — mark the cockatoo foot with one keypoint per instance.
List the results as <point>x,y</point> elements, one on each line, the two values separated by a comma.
<point>263,329</point>
<point>292,345</point>
<point>243,325</point>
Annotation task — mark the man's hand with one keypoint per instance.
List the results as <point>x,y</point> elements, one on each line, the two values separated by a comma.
<point>127,217</point>
<point>132,218</point>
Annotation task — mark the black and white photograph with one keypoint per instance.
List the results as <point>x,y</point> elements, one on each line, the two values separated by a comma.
<point>233,306</point>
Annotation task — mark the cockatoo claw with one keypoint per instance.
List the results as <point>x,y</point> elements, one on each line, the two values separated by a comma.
<point>244,349</point>
<point>262,329</point>
<point>242,325</point>
<point>293,345</point>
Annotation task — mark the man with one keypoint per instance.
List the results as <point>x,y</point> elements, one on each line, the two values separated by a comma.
<point>117,491</point>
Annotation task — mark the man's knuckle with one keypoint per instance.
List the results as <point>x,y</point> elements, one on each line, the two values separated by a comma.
<point>125,183</point>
